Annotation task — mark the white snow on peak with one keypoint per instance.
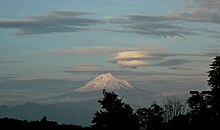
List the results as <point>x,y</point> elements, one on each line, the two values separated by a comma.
<point>105,81</point>
<point>104,77</point>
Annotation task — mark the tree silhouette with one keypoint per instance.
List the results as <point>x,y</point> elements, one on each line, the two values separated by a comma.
<point>10,123</point>
<point>214,83</point>
<point>173,107</point>
<point>115,114</point>
<point>200,112</point>
<point>205,105</point>
<point>44,119</point>
<point>151,118</point>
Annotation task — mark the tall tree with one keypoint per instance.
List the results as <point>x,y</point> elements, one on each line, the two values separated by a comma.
<point>200,111</point>
<point>214,83</point>
<point>151,118</point>
<point>115,114</point>
<point>173,107</point>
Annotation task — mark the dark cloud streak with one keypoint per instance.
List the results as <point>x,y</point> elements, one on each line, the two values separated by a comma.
<point>162,26</point>
<point>173,24</point>
<point>172,62</point>
<point>53,22</point>
<point>8,62</point>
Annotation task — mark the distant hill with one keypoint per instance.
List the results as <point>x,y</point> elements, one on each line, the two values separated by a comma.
<point>79,105</point>
<point>62,113</point>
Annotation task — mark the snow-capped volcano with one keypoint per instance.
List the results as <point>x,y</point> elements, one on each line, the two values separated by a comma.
<point>105,81</point>
<point>92,92</point>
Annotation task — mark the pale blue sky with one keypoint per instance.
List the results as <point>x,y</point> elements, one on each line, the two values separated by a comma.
<point>146,42</point>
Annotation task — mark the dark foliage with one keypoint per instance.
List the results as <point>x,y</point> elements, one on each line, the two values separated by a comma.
<point>151,118</point>
<point>205,107</point>
<point>214,76</point>
<point>214,83</point>
<point>115,114</point>
<point>10,123</point>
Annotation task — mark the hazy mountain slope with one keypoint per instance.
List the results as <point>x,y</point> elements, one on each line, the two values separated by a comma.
<point>60,113</point>
<point>79,105</point>
<point>92,91</point>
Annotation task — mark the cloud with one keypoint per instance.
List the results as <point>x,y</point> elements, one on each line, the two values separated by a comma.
<point>118,53</point>
<point>95,50</point>
<point>172,62</point>
<point>175,24</point>
<point>95,69</point>
<point>162,26</point>
<point>211,4</point>
<point>198,16</point>
<point>159,29</point>
<point>8,77</point>
<point>171,25</point>
<point>91,69</point>
<point>201,11</point>
<point>134,59</point>
<point>212,52</point>
<point>52,22</point>
<point>86,68</point>
<point>130,59</point>
<point>132,63</point>
<point>126,55</point>
<point>8,62</point>
<point>181,68</point>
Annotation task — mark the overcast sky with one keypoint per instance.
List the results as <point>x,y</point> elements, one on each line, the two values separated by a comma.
<point>159,45</point>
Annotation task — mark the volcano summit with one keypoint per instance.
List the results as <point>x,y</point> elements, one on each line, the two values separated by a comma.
<point>105,81</point>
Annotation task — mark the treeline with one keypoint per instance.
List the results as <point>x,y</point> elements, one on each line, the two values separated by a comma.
<point>197,114</point>
<point>11,123</point>
<point>201,111</point>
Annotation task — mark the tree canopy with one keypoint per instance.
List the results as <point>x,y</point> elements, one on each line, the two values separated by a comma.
<point>151,118</point>
<point>214,83</point>
<point>115,114</point>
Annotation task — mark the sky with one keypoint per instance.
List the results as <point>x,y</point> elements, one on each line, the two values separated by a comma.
<point>52,47</point>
